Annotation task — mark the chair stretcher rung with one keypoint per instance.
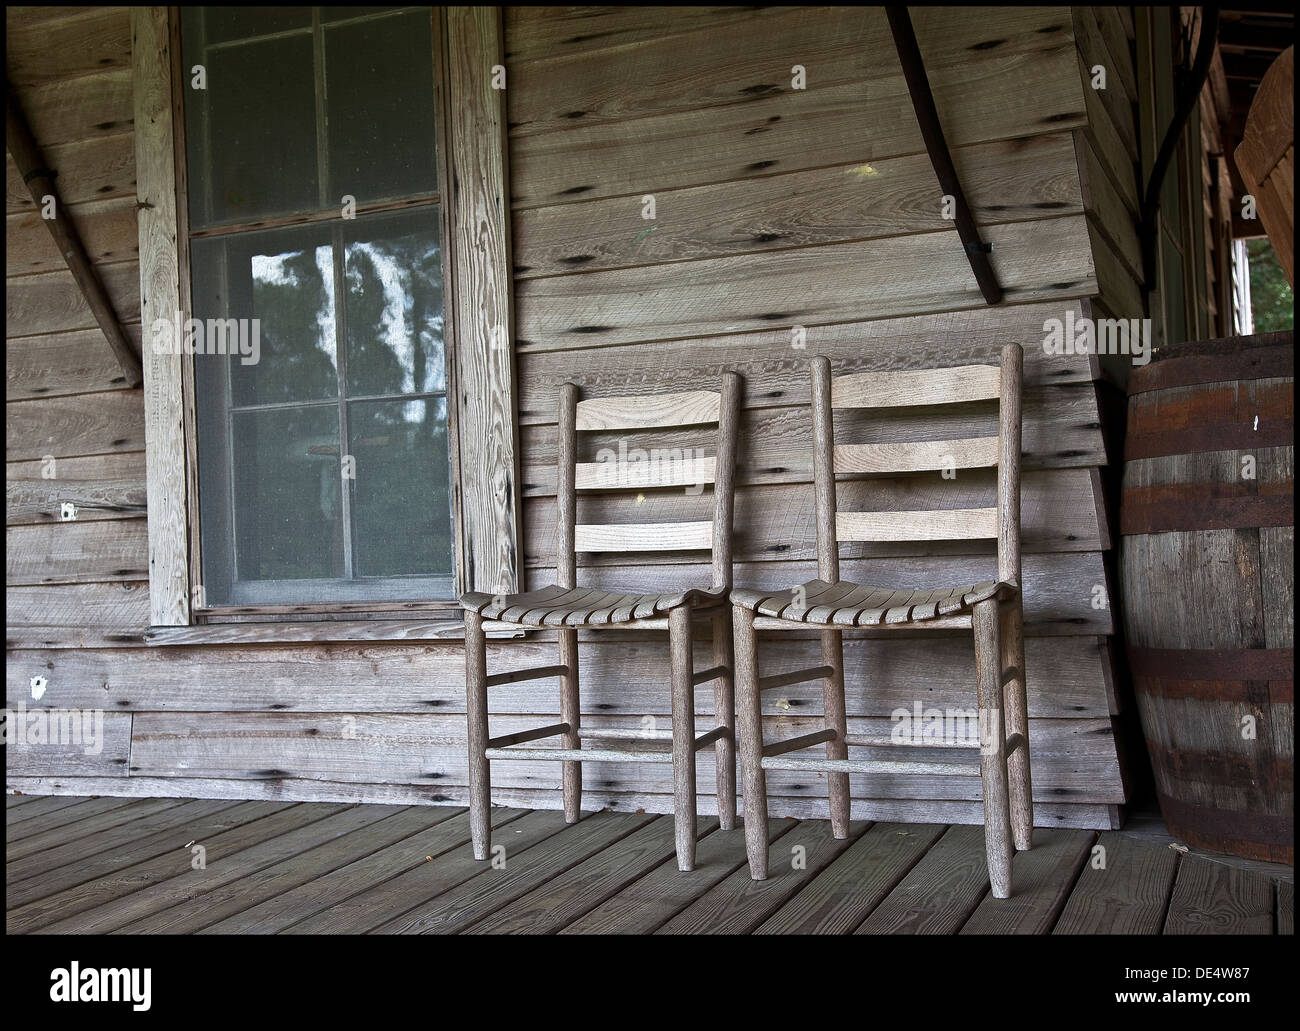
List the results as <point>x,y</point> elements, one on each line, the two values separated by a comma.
<point>820,764</point>
<point>516,675</point>
<point>795,743</point>
<point>797,676</point>
<point>579,755</point>
<point>1013,742</point>
<point>704,740</point>
<point>712,673</point>
<point>519,737</point>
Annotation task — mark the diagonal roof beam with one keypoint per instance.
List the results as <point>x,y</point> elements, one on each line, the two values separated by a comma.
<point>927,115</point>
<point>39,179</point>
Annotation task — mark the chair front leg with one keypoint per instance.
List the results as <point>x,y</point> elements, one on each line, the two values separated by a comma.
<point>476,716</point>
<point>1017,722</point>
<point>683,702</point>
<point>836,720</point>
<point>749,728</point>
<point>570,713</point>
<point>993,765</point>
<point>724,708</point>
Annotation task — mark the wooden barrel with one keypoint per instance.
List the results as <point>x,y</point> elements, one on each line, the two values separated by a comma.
<point>1207,520</point>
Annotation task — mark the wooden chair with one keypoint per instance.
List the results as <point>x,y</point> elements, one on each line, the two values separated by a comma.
<point>991,609</point>
<point>565,607</point>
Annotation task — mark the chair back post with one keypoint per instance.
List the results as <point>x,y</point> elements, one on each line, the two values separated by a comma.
<point>1009,423</point>
<point>566,496</point>
<point>828,549</point>
<point>724,478</point>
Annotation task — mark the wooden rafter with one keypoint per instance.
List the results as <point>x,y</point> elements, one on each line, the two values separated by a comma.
<point>39,179</point>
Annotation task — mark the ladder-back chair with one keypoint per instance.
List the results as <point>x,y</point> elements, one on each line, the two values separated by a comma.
<point>991,609</point>
<point>566,607</point>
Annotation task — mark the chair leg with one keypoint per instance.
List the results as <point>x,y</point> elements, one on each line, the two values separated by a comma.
<point>570,713</point>
<point>476,715</point>
<point>683,703</point>
<point>724,708</point>
<point>836,720</point>
<point>993,766</point>
<point>749,727</point>
<point>1017,722</point>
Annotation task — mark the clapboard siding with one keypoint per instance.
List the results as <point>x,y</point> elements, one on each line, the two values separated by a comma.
<point>101,486</point>
<point>107,229</point>
<point>1005,181</point>
<point>88,170</point>
<point>622,676</point>
<point>776,208</point>
<point>79,424</point>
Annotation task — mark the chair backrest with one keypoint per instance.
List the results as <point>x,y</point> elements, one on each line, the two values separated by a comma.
<point>964,383</point>
<point>687,468</point>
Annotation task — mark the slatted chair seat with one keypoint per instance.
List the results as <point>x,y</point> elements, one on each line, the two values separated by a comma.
<point>559,606</point>
<point>818,603</point>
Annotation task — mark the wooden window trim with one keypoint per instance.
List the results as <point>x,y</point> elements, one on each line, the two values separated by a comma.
<point>478,324</point>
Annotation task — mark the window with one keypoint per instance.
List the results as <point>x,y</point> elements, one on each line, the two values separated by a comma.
<point>353,450</point>
<point>322,440</point>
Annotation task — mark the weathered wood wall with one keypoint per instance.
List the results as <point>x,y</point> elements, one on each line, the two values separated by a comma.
<point>775,207</point>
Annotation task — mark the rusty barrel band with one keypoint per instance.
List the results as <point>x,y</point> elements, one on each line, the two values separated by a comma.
<point>1200,439</point>
<point>1261,363</point>
<point>1216,668</point>
<point>1191,509</point>
<point>1263,828</point>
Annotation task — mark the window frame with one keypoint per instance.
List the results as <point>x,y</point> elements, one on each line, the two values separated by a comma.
<point>474,221</point>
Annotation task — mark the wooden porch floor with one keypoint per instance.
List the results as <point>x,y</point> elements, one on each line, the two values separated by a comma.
<point>101,865</point>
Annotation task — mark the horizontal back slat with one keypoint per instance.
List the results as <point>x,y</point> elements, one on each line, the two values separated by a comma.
<point>644,536</point>
<point>957,524</point>
<point>649,411</point>
<point>916,387</point>
<point>917,456</point>
<point>658,471</point>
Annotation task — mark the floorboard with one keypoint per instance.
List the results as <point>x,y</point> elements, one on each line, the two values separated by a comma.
<point>846,892</point>
<point>80,865</point>
<point>1124,889</point>
<point>73,863</point>
<point>495,888</point>
<point>738,903</point>
<point>579,889</point>
<point>91,906</point>
<point>1210,898</point>
<point>48,835</point>
<point>1040,881</point>
<point>363,874</point>
<point>648,903</point>
<point>386,905</point>
<point>940,892</point>
<point>316,850</point>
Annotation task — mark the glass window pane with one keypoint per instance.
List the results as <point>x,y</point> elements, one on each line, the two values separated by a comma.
<point>394,305</point>
<point>379,100</point>
<point>251,134</point>
<point>285,280</point>
<point>401,504</point>
<point>288,496</point>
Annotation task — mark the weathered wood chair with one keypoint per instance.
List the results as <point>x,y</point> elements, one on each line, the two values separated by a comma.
<point>565,607</point>
<point>992,609</point>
